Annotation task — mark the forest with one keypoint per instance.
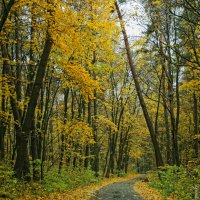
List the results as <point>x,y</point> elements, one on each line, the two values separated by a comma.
<point>99,91</point>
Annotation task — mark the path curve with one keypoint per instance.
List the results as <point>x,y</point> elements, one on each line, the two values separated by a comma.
<point>119,191</point>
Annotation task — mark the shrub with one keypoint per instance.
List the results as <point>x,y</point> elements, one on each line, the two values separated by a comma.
<point>178,181</point>
<point>71,178</point>
<point>10,188</point>
<point>7,182</point>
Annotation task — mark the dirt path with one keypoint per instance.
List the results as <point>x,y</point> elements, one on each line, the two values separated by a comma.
<point>119,191</point>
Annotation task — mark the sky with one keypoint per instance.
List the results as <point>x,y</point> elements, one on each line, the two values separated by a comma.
<point>134,16</point>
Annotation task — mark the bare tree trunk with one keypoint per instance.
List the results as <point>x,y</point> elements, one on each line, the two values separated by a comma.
<point>196,125</point>
<point>2,123</point>
<point>167,130</point>
<point>96,139</point>
<point>2,136</point>
<point>175,151</point>
<point>66,95</point>
<point>87,148</point>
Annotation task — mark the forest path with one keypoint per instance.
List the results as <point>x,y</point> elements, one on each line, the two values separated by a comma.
<point>119,191</point>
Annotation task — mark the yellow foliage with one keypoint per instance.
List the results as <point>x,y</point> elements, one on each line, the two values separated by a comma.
<point>5,86</point>
<point>139,43</point>
<point>103,122</point>
<point>4,116</point>
<point>79,34</point>
<point>157,3</point>
<point>191,86</point>
<point>76,76</point>
<point>78,29</point>
<point>147,192</point>
<point>136,153</point>
<point>76,131</point>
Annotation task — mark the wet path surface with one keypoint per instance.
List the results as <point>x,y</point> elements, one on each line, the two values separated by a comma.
<point>119,191</point>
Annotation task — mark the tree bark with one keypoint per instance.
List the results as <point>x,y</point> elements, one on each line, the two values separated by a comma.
<point>66,95</point>
<point>96,139</point>
<point>167,130</point>
<point>2,123</point>
<point>196,125</point>
<point>87,148</point>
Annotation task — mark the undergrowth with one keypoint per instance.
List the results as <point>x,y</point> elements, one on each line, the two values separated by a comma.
<point>10,188</point>
<point>179,182</point>
<point>72,178</point>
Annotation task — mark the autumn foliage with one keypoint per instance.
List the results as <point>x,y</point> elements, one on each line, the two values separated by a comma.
<point>80,96</point>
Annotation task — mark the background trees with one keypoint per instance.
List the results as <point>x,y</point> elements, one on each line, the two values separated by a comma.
<point>67,95</point>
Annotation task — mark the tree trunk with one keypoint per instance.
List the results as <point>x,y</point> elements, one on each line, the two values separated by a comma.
<point>2,136</point>
<point>2,123</point>
<point>196,125</point>
<point>22,170</point>
<point>34,152</point>
<point>66,95</point>
<point>167,130</point>
<point>21,165</point>
<point>87,148</point>
<point>96,139</point>
<point>158,156</point>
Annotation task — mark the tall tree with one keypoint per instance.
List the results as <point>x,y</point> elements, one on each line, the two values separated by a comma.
<point>158,155</point>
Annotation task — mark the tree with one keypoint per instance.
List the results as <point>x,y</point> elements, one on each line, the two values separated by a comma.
<point>158,156</point>
<point>6,10</point>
